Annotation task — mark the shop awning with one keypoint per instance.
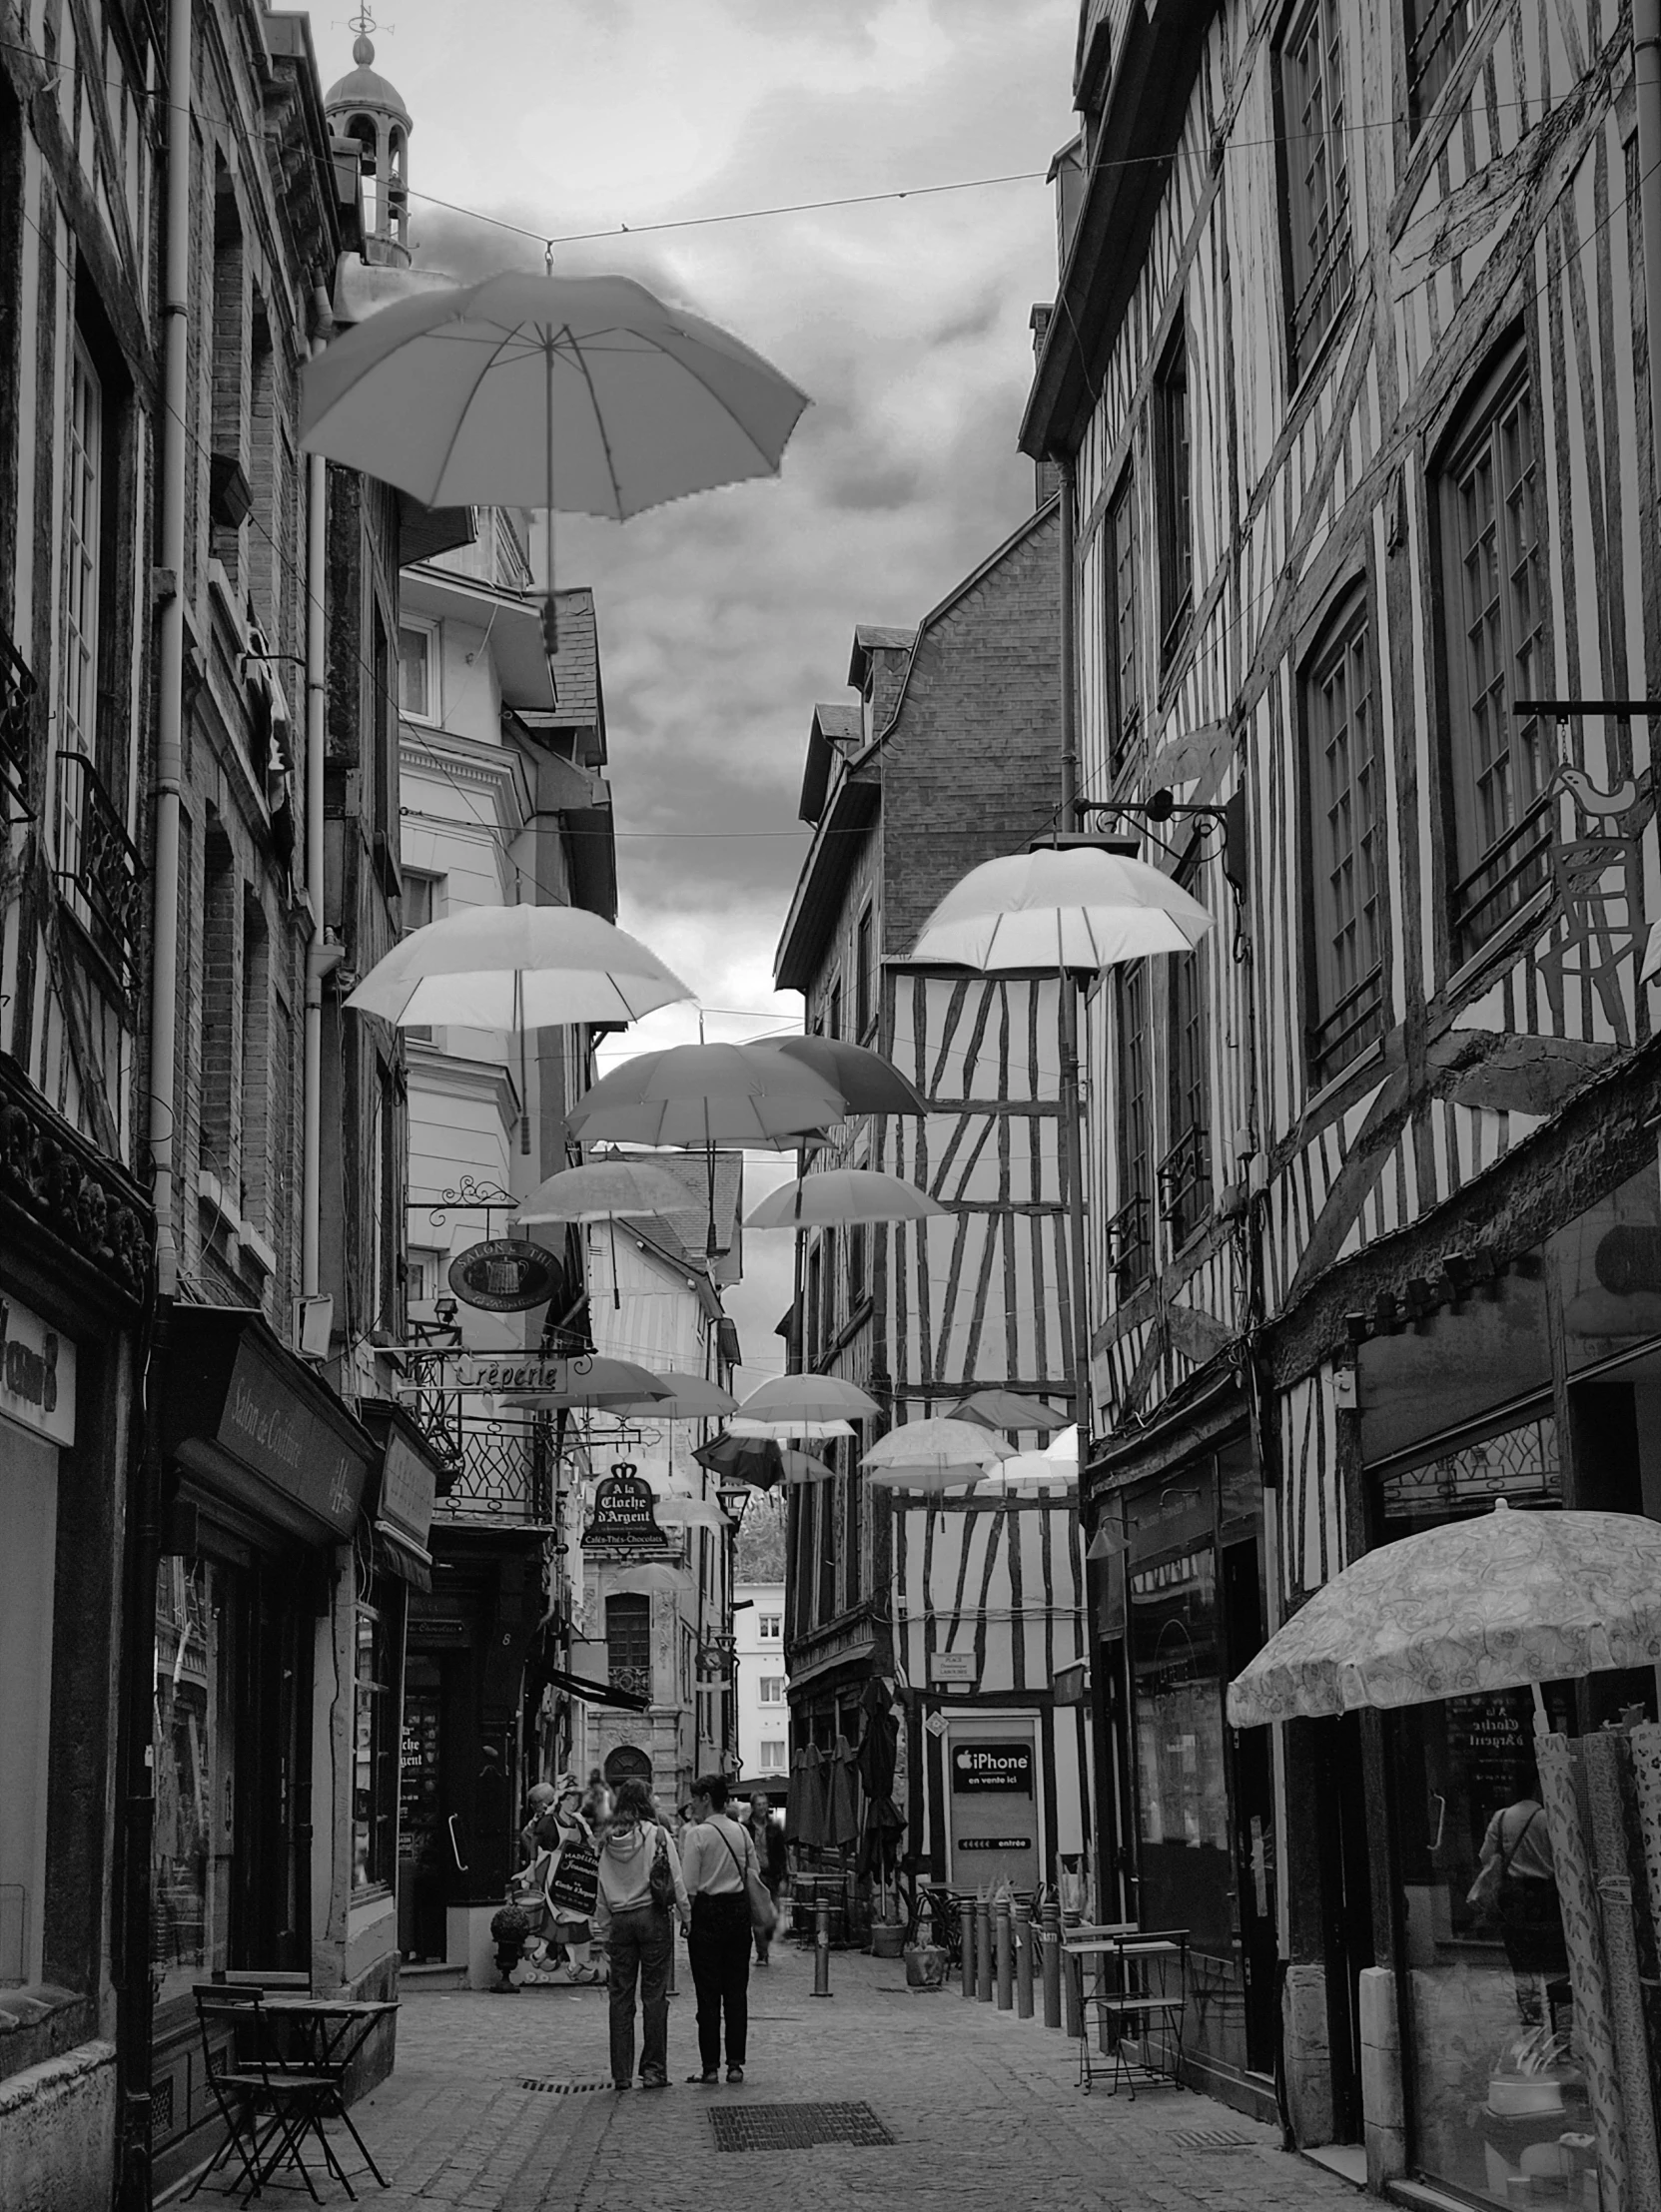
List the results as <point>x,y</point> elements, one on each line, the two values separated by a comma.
<point>595,1693</point>
<point>259,1427</point>
<point>400,1506</point>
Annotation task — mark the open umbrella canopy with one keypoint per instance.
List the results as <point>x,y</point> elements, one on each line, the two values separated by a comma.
<point>841,1195</point>
<point>757,1460</point>
<point>1497,1602</point>
<point>934,1455</point>
<point>803,1467</point>
<point>691,1512</point>
<point>797,1398</point>
<point>1011,1409</point>
<point>517,968</point>
<point>593,1379</point>
<point>1074,908</point>
<point>705,1095</point>
<point>586,393</point>
<point>816,1432</point>
<point>603,1191</point>
<point>868,1082</point>
<point>1057,1463</point>
<point>690,1398</point>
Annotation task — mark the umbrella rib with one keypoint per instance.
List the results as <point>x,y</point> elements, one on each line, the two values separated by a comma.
<point>495,354</point>
<point>599,420</point>
<point>773,466</point>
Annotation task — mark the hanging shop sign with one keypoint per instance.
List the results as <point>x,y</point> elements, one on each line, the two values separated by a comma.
<point>37,1374</point>
<point>508,1372</point>
<point>506,1275</point>
<point>985,1767</point>
<point>624,1517</point>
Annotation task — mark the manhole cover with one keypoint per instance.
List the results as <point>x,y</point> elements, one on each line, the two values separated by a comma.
<point>795,2126</point>
<point>565,2089</point>
<point>1210,2138</point>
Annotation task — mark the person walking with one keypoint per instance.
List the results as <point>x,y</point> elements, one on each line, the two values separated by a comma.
<point>719,1850</point>
<point>768,1838</point>
<point>641,1887</point>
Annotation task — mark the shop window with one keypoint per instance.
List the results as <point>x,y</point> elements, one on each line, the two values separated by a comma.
<point>1122,604</point>
<point>628,1657</point>
<point>772,1689</point>
<point>1174,502</point>
<point>1345,814</point>
<point>1490,511</point>
<point>196,1745</point>
<point>28,1514</point>
<point>1320,266</point>
<point>375,1768</point>
<point>1436,33</point>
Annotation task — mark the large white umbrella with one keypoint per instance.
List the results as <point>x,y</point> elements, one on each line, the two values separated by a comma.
<point>841,1195</point>
<point>1076,907</point>
<point>869,1083</point>
<point>935,1454</point>
<point>689,1398</point>
<point>815,1432</point>
<point>798,1398</point>
<point>605,1191</point>
<point>584,394</point>
<point>594,1379</point>
<point>701,1094</point>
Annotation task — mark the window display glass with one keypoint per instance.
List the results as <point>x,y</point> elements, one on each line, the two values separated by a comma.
<point>375,1771</point>
<point>194,1789</point>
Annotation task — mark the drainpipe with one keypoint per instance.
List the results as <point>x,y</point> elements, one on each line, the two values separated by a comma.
<point>318,959</point>
<point>138,1636</point>
<point>1646,71</point>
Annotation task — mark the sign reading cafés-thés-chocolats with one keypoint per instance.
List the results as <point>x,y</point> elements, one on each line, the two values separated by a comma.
<point>625,1519</point>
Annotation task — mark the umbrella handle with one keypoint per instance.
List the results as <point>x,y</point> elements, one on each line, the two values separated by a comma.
<point>524,1086</point>
<point>616,1294</point>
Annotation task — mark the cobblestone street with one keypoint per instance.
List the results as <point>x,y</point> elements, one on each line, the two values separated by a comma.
<point>981,2105</point>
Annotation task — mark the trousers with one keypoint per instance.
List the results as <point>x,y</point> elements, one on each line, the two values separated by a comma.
<point>721,1950</point>
<point>639,1948</point>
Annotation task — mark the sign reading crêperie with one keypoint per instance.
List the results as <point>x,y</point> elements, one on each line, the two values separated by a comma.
<point>976,1767</point>
<point>624,1517</point>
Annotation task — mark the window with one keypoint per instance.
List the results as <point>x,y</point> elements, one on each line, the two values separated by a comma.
<point>197,1662</point>
<point>385,726</point>
<point>629,1643</point>
<point>1343,787</point>
<point>772,1689</point>
<point>769,1627</point>
<point>374,1753</point>
<point>1436,33</point>
<point>812,1314</point>
<point>417,671</point>
<point>1493,600</point>
<point>254,1095</point>
<point>1174,499</point>
<point>772,1754</point>
<point>858,1287</point>
<point>220,1004</point>
<point>865,975</point>
<point>833,1019</point>
<point>386,1207</point>
<point>424,899</point>
<point>83,505</point>
<point>1316,179</point>
<point>427,1273</point>
<point>1131,1232</point>
<point>1184,1173</point>
<point>832,1308</point>
<point>1122,607</point>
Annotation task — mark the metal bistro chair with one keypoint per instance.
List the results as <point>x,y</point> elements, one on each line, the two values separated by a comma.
<point>269,2104</point>
<point>941,1913</point>
<point>1149,2001</point>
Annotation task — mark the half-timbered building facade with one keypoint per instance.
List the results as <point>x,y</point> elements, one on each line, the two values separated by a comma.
<point>1347,381</point>
<point>949,753</point>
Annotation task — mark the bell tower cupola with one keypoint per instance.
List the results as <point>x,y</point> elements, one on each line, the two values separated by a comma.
<point>365,107</point>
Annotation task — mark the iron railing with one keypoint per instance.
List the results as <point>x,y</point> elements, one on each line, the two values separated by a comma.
<point>1129,1246</point>
<point>18,694</point>
<point>1354,1022</point>
<point>1514,867</point>
<point>99,865</point>
<point>636,1681</point>
<point>1186,1184</point>
<point>501,1467</point>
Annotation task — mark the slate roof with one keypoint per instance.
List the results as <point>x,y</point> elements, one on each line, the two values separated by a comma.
<point>685,1231</point>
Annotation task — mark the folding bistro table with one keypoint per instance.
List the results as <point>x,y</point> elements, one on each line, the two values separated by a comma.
<point>1140,1997</point>
<point>283,2076</point>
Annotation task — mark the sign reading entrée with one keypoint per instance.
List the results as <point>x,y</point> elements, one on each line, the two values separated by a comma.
<point>995,1843</point>
<point>980,1767</point>
<point>505,1275</point>
<point>625,1519</point>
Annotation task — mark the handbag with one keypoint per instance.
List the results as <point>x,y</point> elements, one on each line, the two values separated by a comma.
<point>1492,1877</point>
<point>764,1912</point>
<point>662,1881</point>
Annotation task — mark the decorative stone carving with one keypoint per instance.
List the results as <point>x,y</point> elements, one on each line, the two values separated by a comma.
<point>56,1177</point>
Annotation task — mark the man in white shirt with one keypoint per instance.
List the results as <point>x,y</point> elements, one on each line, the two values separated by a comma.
<point>716,1854</point>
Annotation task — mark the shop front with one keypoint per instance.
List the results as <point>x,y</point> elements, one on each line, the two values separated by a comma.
<point>256,1631</point>
<point>1540,1390</point>
<point>1188,1803</point>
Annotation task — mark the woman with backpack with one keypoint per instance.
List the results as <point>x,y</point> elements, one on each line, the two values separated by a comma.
<point>719,1856</point>
<point>642,1892</point>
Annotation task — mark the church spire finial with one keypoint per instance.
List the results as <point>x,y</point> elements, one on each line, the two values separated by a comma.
<point>363,45</point>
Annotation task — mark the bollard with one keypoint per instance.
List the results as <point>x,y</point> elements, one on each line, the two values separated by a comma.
<point>966,1928</point>
<point>1050,1949</point>
<point>1071,1990</point>
<point>821,1949</point>
<point>1023,1958</point>
<point>1001,1944</point>
<point>983,1950</point>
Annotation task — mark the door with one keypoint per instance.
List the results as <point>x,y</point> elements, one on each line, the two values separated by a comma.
<point>991,1802</point>
<point>421,1842</point>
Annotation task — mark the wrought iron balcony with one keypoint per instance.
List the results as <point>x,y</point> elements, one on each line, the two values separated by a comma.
<point>1186,1184</point>
<point>501,1467</point>
<point>99,865</point>
<point>1129,1246</point>
<point>635,1680</point>
<point>18,695</point>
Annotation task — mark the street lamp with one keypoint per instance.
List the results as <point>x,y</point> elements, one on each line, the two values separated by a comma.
<point>733,1497</point>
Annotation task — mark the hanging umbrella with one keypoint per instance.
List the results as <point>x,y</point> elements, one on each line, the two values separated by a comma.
<point>688,1398</point>
<point>808,1398</point>
<point>1057,1463</point>
<point>692,1513</point>
<point>1503,1601</point>
<point>1073,907</point>
<point>603,1191</point>
<point>934,1455</point>
<point>583,393</point>
<point>705,1095</point>
<point>1011,1410</point>
<point>868,1082</point>
<point>843,1194</point>
<point>812,1432</point>
<point>802,1467</point>
<point>760,1461</point>
<point>591,1379</point>
<point>518,968</point>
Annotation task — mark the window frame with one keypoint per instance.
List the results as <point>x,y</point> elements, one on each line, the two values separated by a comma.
<point>1184,1173</point>
<point>380,1746</point>
<point>1131,1230</point>
<point>1475,438</point>
<point>1173,492</point>
<point>628,1629</point>
<point>1308,229</point>
<point>417,626</point>
<point>1121,621</point>
<point>1365,997</point>
<point>79,610</point>
<point>769,1688</point>
<point>867,999</point>
<point>1444,58</point>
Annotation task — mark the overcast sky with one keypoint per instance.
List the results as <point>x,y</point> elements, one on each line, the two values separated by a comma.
<point>722,619</point>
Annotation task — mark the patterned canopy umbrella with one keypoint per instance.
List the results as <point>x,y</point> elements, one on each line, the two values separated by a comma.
<point>1502,1602</point>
